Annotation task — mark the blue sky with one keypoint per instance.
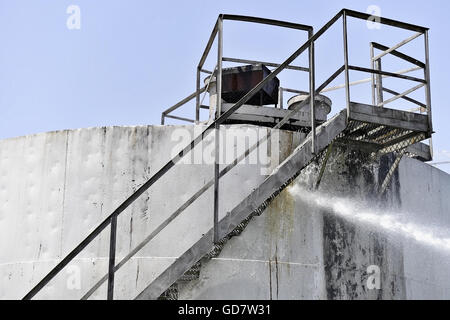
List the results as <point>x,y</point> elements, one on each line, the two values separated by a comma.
<point>132,59</point>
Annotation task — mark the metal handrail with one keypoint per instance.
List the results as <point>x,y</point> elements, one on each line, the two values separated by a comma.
<point>166,112</point>
<point>113,216</point>
<point>210,183</point>
<point>396,95</point>
<point>398,45</point>
<point>268,64</point>
<point>354,83</point>
<point>400,95</point>
<point>222,117</point>
<point>202,190</point>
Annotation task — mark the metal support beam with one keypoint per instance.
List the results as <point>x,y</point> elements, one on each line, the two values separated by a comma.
<point>217,131</point>
<point>219,68</point>
<point>211,39</point>
<point>398,45</point>
<point>179,118</point>
<point>386,21</point>
<point>312,88</point>
<point>330,80</point>
<point>292,90</point>
<point>182,102</point>
<point>372,76</point>
<point>430,142</point>
<point>387,179</point>
<point>391,171</point>
<point>379,81</point>
<point>280,98</point>
<point>385,73</point>
<point>421,105</point>
<point>427,77</point>
<point>398,54</point>
<point>324,163</point>
<point>112,257</point>
<point>401,95</point>
<point>197,96</point>
<point>272,22</point>
<point>205,71</point>
<point>216,182</point>
<point>353,83</point>
<point>268,64</point>
<point>346,66</point>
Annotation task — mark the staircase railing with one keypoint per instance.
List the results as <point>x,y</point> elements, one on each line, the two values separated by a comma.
<point>221,117</point>
<point>112,218</point>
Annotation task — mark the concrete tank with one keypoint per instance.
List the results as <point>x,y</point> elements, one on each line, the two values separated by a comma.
<point>55,187</point>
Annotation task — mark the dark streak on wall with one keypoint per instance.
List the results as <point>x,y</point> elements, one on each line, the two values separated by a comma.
<point>349,249</point>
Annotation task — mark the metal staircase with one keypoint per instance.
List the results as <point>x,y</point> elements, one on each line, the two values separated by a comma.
<point>252,205</point>
<point>383,129</point>
<point>187,266</point>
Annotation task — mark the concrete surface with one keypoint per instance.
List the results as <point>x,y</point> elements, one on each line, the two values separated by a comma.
<point>55,187</point>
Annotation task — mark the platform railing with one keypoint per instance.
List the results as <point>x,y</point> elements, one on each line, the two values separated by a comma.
<point>221,117</point>
<point>378,88</point>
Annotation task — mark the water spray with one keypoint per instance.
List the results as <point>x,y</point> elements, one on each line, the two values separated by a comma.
<point>392,223</point>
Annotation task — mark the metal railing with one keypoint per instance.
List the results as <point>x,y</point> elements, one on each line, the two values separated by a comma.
<point>221,117</point>
<point>112,218</point>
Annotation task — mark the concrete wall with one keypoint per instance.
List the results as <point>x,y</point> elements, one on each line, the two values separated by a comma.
<point>425,197</point>
<point>295,251</point>
<point>55,187</point>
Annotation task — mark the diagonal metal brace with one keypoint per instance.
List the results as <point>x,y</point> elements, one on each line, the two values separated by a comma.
<point>391,171</point>
<point>324,163</point>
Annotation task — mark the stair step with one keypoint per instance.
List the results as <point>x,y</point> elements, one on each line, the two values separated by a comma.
<point>193,273</point>
<point>170,294</point>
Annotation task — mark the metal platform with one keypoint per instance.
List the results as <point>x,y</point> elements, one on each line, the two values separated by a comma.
<point>270,116</point>
<point>385,129</point>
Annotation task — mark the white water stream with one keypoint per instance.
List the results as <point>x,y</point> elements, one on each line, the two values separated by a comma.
<point>393,223</point>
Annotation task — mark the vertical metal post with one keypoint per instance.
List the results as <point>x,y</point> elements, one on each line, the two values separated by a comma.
<point>112,257</point>
<point>427,78</point>
<point>347,75</point>
<point>162,119</point>
<point>311,93</point>
<point>197,96</point>
<point>379,82</point>
<point>216,182</point>
<point>372,65</point>
<point>280,98</point>
<point>219,67</point>
<point>430,143</point>
<point>217,129</point>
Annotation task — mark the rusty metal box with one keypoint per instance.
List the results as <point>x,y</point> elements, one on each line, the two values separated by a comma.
<point>238,81</point>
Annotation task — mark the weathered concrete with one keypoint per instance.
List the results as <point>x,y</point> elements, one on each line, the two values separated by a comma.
<point>425,196</point>
<point>55,187</point>
<point>301,252</point>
